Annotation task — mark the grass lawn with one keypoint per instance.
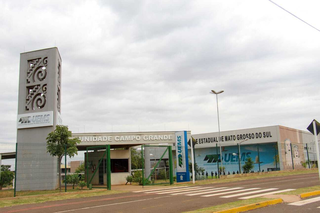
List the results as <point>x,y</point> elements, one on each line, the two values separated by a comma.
<point>302,190</point>
<point>29,197</point>
<point>10,192</point>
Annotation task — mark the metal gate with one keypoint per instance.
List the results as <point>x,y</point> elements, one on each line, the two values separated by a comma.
<point>98,167</point>
<point>157,167</point>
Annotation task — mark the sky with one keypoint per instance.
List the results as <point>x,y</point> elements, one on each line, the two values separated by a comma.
<point>130,66</point>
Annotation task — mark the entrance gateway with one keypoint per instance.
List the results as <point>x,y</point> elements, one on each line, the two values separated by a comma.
<point>121,144</point>
<point>39,111</point>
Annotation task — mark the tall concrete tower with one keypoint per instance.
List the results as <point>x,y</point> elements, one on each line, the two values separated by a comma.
<point>38,113</point>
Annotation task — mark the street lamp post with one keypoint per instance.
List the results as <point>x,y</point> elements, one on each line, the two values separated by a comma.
<point>239,158</point>
<point>239,154</point>
<point>217,93</point>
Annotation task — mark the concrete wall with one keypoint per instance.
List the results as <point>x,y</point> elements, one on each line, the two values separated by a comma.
<point>74,166</point>
<point>120,178</point>
<point>309,139</point>
<point>291,148</point>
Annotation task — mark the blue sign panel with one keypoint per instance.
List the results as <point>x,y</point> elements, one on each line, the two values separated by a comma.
<point>264,156</point>
<point>182,157</point>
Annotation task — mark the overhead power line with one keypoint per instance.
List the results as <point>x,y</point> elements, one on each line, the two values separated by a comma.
<point>295,16</point>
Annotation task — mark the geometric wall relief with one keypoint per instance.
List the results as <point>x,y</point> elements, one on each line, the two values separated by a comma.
<point>59,88</point>
<point>36,97</point>
<point>36,88</point>
<point>58,100</point>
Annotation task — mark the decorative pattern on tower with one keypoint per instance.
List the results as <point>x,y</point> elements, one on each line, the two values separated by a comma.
<point>36,86</point>
<point>59,88</point>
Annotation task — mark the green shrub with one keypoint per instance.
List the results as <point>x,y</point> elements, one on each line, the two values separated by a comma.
<point>72,179</point>
<point>306,164</point>
<point>248,165</point>
<point>129,179</point>
<point>163,174</point>
<point>82,184</point>
<point>222,169</point>
<point>137,176</point>
<point>146,181</point>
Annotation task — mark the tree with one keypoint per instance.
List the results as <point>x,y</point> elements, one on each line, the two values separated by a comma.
<point>197,169</point>
<point>57,141</point>
<point>248,165</point>
<point>80,169</point>
<point>72,179</point>
<point>6,176</point>
<point>5,168</point>
<point>136,160</point>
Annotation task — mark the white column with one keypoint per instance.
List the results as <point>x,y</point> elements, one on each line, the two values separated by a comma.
<point>317,144</point>
<point>192,159</point>
<point>0,164</point>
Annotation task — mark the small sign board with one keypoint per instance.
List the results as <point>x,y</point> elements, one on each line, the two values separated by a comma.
<point>33,120</point>
<point>310,127</point>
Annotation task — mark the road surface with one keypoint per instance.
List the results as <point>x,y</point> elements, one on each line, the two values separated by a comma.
<point>173,199</point>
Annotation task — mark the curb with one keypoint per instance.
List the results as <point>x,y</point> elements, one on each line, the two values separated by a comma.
<point>309,194</point>
<point>252,206</point>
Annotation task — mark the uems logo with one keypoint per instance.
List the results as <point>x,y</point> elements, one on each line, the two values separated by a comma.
<point>24,120</point>
<point>211,158</point>
<point>179,148</point>
<point>180,160</point>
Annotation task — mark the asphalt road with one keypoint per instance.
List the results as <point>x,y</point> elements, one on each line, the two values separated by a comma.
<point>178,199</point>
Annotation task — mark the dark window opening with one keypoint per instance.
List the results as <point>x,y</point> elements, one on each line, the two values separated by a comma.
<point>119,165</point>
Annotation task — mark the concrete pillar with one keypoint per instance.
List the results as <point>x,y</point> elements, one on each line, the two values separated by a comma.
<point>38,113</point>
<point>147,163</point>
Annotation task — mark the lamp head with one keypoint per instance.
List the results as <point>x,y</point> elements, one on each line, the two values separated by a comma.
<point>216,93</point>
<point>243,141</point>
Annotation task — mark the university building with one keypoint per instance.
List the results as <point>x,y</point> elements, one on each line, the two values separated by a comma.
<point>271,148</point>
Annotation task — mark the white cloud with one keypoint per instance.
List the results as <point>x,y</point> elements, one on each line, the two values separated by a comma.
<point>150,65</point>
